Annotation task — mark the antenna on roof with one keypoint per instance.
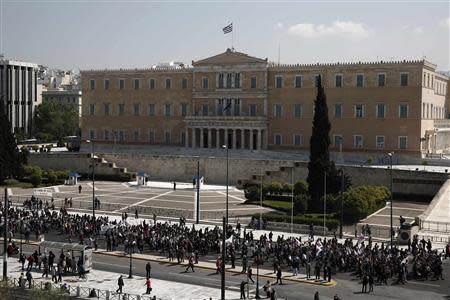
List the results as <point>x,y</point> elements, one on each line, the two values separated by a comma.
<point>279,53</point>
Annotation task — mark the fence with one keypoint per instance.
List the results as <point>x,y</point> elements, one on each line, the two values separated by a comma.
<point>78,291</point>
<point>297,228</point>
<point>435,226</point>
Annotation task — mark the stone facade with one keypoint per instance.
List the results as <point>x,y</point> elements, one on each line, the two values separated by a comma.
<point>246,102</point>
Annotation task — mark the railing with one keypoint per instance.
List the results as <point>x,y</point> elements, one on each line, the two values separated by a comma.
<point>78,291</point>
<point>435,226</point>
<point>298,228</point>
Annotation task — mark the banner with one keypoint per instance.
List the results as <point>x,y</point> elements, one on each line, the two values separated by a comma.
<point>42,192</point>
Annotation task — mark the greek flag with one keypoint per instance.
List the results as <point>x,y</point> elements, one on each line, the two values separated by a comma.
<point>228,29</point>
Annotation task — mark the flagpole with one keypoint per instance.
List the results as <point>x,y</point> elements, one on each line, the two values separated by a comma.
<point>232,35</point>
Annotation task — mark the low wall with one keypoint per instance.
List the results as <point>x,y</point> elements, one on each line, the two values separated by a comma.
<point>184,168</point>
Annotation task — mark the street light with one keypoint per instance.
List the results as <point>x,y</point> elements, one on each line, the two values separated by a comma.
<point>324,203</point>
<point>224,235</point>
<point>258,261</point>
<point>93,177</point>
<point>292,200</point>
<point>341,171</point>
<point>130,273</point>
<point>391,154</point>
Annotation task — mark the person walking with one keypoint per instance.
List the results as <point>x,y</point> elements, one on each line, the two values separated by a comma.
<point>279,276</point>
<point>316,295</point>
<point>29,279</point>
<point>242,289</point>
<point>148,269</point>
<point>120,284</point>
<point>370,283</point>
<point>148,284</point>
<point>364,284</point>
<point>79,189</point>
<point>250,273</point>
<point>268,288</point>
<point>54,278</point>
<point>191,263</point>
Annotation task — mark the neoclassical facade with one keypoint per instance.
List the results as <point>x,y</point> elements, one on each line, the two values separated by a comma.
<point>249,103</point>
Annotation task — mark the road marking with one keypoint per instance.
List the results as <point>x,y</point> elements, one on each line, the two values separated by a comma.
<point>240,199</point>
<point>394,216</point>
<point>143,201</point>
<point>111,265</point>
<point>407,208</point>
<point>422,283</point>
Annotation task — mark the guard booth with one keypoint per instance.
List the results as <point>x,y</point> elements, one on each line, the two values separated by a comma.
<point>198,180</point>
<point>141,178</point>
<point>75,250</point>
<point>73,178</point>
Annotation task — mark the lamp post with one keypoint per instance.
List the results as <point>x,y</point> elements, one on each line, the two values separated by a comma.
<point>390,154</point>
<point>197,208</point>
<point>21,228</point>
<point>93,177</point>
<point>324,202</point>
<point>341,171</point>
<point>5,237</point>
<point>260,200</point>
<point>292,200</point>
<point>224,234</point>
<point>130,272</point>
<point>258,261</point>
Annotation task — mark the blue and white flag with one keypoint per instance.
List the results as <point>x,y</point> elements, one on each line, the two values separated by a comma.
<point>228,29</point>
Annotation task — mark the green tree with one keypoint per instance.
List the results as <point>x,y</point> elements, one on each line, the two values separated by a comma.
<point>319,155</point>
<point>54,120</point>
<point>10,158</point>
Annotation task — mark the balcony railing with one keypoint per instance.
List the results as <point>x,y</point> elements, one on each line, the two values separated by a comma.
<point>442,123</point>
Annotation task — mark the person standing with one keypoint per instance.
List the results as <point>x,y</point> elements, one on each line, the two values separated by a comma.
<point>316,295</point>
<point>370,283</point>
<point>120,284</point>
<point>242,289</point>
<point>29,279</point>
<point>268,288</point>
<point>148,284</point>
<point>364,284</point>
<point>148,269</point>
<point>279,276</point>
<point>79,189</point>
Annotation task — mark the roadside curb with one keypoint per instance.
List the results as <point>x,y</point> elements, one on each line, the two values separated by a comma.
<point>313,282</point>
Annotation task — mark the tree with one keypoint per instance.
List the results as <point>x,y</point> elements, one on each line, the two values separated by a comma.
<point>10,158</point>
<point>319,155</point>
<point>55,120</point>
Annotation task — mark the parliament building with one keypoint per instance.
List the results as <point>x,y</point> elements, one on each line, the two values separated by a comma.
<point>249,103</point>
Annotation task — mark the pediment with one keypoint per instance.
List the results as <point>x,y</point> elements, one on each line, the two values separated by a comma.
<point>229,57</point>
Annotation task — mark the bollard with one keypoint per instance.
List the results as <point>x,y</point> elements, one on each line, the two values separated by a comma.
<point>107,295</point>
<point>78,291</point>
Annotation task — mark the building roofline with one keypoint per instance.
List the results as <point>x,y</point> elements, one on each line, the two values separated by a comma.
<point>18,63</point>
<point>134,70</point>
<point>277,66</point>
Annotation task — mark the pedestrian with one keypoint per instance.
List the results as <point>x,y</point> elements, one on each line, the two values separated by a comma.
<point>242,289</point>
<point>370,283</point>
<point>249,274</point>
<point>268,289</point>
<point>79,189</point>
<point>244,264</point>
<point>279,275</point>
<point>273,295</point>
<point>174,186</point>
<point>308,270</point>
<point>29,278</point>
<point>316,296</point>
<point>136,216</point>
<point>364,284</point>
<point>148,269</point>
<point>148,284</point>
<point>21,280</point>
<point>54,278</point>
<point>120,284</point>
<point>191,263</point>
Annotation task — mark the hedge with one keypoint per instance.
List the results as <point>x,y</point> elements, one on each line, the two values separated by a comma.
<point>302,219</point>
<point>124,177</point>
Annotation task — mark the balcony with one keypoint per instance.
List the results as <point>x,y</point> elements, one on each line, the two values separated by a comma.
<point>442,123</point>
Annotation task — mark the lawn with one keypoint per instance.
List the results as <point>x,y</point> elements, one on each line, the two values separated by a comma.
<point>285,206</point>
<point>12,183</point>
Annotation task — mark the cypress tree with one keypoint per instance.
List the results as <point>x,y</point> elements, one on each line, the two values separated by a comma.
<point>319,155</point>
<point>10,157</point>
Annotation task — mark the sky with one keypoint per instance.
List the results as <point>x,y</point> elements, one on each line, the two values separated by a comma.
<point>112,34</point>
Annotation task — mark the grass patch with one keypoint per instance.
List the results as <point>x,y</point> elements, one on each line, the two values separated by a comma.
<point>284,206</point>
<point>13,183</point>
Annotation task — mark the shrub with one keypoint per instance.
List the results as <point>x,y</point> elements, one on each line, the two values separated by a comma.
<point>361,201</point>
<point>51,177</point>
<point>301,203</point>
<point>300,187</point>
<point>275,188</point>
<point>61,175</point>
<point>49,147</point>
<point>252,193</point>
<point>287,188</point>
<point>30,170</point>
<point>36,179</point>
<point>35,148</point>
<point>302,219</point>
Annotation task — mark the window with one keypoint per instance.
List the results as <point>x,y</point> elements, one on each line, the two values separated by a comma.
<point>317,78</point>
<point>403,111</point>
<point>359,80</point>
<point>205,109</point>
<point>121,109</point>
<point>136,135</point>
<point>402,142</point>
<point>91,134</point>
<point>381,79</point>
<point>404,79</point>
<point>136,109</point>
<point>184,83</point>
<point>183,138</point>
<point>106,108</point>
<point>106,135</point>
<point>277,139</point>
<point>237,107</point>
<point>167,138</point>
<point>221,81</point>
<point>151,136</point>
<point>136,84</point>
<point>338,110</point>
<point>357,141</point>
<point>277,110</point>
<point>91,109</point>
<point>297,110</point>
<point>229,80</point>
<point>380,141</point>
<point>381,110</point>
<point>205,82</point>
<point>359,111</point>
<point>338,140</point>
<point>168,83</point>
<point>237,80</point>
<point>151,110</point>
<point>151,83</point>
<point>228,107</point>
<point>253,109</point>
<point>121,84</point>
<point>297,140</point>
<point>106,83</point>
<point>183,109</point>
<point>253,82</point>
<point>121,135</point>
<point>92,84</point>
<point>298,81</point>
<point>338,81</point>
<point>168,109</point>
<point>278,81</point>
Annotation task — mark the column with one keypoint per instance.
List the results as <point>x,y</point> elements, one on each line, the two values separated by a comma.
<point>232,106</point>
<point>225,132</point>
<point>186,138</point>
<point>258,142</point>
<point>217,138</point>
<point>242,138</point>
<point>234,139</point>
<point>251,139</point>
<point>193,138</point>
<point>266,139</point>
<point>201,138</point>
<point>209,137</point>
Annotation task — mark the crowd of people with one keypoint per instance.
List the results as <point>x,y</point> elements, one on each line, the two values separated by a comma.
<point>320,258</point>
